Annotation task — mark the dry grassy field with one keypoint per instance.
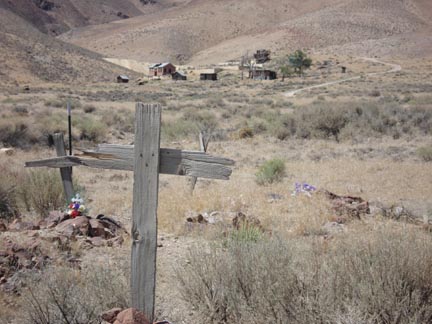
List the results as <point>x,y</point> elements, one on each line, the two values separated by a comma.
<point>305,261</point>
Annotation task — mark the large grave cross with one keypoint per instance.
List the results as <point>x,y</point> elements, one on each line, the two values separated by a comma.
<point>147,160</point>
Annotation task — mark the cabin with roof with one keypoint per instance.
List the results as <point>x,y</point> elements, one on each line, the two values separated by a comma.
<point>178,76</point>
<point>209,74</point>
<point>262,75</point>
<point>161,69</point>
<point>122,79</point>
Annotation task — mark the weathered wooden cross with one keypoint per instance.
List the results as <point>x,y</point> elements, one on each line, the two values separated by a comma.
<point>147,160</point>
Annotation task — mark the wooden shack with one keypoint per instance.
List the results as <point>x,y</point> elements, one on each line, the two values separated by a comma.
<point>178,76</point>
<point>262,75</point>
<point>208,76</point>
<point>161,69</point>
<point>122,79</point>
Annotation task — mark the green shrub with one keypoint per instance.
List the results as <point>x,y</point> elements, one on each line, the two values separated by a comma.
<point>425,153</point>
<point>271,171</point>
<point>377,277</point>
<point>42,191</point>
<point>91,130</point>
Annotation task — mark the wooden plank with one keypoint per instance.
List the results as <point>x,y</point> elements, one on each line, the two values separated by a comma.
<point>144,209</point>
<point>203,148</point>
<point>119,157</point>
<point>66,172</point>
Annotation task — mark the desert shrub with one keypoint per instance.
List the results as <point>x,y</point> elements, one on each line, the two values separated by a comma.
<point>425,153</point>
<point>246,132</point>
<point>91,129</point>
<point>8,203</point>
<point>121,120</point>
<point>179,128</point>
<point>191,123</point>
<point>353,120</point>
<point>64,295</point>
<point>42,191</point>
<point>88,109</point>
<point>271,171</point>
<point>61,102</point>
<point>379,277</point>
<point>16,133</point>
<point>246,233</point>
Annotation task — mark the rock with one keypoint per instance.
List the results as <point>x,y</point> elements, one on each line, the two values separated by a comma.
<point>116,241</point>
<point>197,219</point>
<point>53,219</point>
<point>75,226</point>
<point>110,315</point>
<point>3,227</point>
<point>97,229</point>
<point>131,316</point>
<point>97,241</point>
<point>18,226</point>
<point>347,205</point>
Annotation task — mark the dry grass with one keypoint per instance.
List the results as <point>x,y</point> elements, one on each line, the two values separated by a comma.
<point>378,277</point>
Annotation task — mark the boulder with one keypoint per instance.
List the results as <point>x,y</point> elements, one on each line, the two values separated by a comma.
<point>97,241</point>
<point>131,316</point>
<point>53,219</point>
<point>111,315</point>
<point>97,229</point>
<point>18,226</point>
<point>74,226</point>
<point>347,205</point>
<point>3,227</point>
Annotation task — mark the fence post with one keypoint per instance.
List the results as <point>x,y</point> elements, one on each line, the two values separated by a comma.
<point>203,148</point>
<point>66,173</point>
<point>145,201</point>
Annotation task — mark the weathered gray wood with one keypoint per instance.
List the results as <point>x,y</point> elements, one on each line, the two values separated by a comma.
<point>120,157</point>
<point>66,172</point>
<point>144,209</point>
<point>203,148</point>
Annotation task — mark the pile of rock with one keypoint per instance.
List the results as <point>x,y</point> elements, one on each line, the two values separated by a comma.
<point>18,257</point>
<point>127,316</point>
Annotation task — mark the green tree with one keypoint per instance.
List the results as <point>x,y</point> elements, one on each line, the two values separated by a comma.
<point>286,71</point>
<point>299,61</point>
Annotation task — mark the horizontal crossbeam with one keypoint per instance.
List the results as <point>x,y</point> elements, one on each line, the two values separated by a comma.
<point>120,157</point>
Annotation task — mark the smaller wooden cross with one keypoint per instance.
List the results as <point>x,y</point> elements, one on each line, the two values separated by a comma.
<point>147,160</point>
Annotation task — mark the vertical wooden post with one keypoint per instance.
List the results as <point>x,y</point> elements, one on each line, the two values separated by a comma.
<point>66,173</point>
<point>145,201</point>
<point>203,148</point>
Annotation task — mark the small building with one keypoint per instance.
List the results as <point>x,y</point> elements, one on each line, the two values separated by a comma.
<point>343,69</point>
<point>262,75</point>
<point>178,76</point>
<point>122,79</point>
<point>161,69</point>
<point>212,76</point>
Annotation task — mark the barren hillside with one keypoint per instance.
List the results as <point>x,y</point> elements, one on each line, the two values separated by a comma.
<point>27,55</point>
<point>204,31</point>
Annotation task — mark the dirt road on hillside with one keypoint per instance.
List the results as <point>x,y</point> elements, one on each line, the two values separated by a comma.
<point>394,68</point>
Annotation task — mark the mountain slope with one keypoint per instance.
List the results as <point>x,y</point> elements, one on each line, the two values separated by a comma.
<point>207,31</point>
<point>57,16</point>
<point>27,55</point>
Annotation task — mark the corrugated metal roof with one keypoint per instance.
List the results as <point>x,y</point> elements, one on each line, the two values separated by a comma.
<point>158,65</point>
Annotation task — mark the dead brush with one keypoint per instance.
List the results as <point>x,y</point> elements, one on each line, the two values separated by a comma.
<point>377,277</point>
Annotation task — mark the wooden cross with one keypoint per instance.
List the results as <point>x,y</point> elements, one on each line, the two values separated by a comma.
<point>147,160</point>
